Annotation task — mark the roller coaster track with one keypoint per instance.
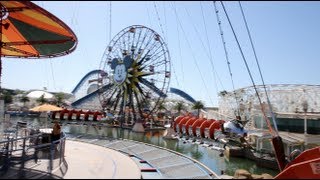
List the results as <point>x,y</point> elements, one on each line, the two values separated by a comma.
<point>86,92</point>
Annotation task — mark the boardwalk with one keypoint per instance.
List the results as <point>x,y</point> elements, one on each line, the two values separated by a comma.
<point>154,162</point>
<point>88,161</point>
<point>93,157</point>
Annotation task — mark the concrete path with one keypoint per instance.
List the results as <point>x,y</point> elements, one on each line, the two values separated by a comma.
<point>89,161</point>
<point>168,164</point>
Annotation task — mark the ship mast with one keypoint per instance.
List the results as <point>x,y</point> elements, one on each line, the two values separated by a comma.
<point>276,139</point>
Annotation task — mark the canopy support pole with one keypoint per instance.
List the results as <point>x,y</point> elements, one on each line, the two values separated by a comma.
<point>1,14</point>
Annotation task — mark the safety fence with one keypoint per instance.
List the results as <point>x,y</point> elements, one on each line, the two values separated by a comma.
<point>32,157</point>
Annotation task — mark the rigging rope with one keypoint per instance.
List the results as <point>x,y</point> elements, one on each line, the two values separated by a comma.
<point>165,20</point>
<point>110,21</point>
<point>73,18</point>
<point>50,60</point>
<point>211,60</point>
<point>256,58</point>
<point>54,82</point>
<point>201,44</point>
<point>165,39</point>
<point>155,7</point>
<point>226,54</point>
<point>244,59</point>
<point>180,52</point>
<point>149,18</point>
<point>194,59</point>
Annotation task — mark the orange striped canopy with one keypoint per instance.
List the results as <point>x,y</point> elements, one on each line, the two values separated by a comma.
<point>29,31</point>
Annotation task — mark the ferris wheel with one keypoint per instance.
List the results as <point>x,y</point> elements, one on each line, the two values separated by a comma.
<point>136,77</point>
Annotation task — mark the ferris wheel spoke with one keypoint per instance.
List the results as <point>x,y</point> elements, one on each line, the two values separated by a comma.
<point>122,103</point>
<point>150,33</point>
<point>138,38</point>
<point>149,49</point>
<point>140,90</point>
<point>132,104</point>
<point>143,41</point>
<point>155,59</point>
<point>154,81</point>
<point>156,75</point>
<point>129,41</point>
<point>133,31</point>
<point>117,53</point>
<point>152,67</point>
<point>133,47</point>
<point>161,63</point>
<point>144,94</point>
<point>138,102</point>
<point>144,34</point>
<point>116,101</point>
<point>123,43</point>
<point>156,50</point>
<point>145,57</point>
<point>109,100</point>
<point>155,38</point>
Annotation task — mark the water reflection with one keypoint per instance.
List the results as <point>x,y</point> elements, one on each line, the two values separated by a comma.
<point>205,155</point>
<point>196,154</point>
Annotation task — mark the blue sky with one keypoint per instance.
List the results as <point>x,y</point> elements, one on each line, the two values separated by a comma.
<point>285,34</point>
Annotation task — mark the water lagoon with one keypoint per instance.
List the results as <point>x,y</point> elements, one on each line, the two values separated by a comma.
<point>203,154</point>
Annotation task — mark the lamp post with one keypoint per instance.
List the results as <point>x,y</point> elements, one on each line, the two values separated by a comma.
<point>305,108</point>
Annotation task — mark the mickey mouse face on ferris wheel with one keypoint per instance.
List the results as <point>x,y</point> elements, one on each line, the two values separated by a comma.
<point>120,74</point>
<point>121,69</point>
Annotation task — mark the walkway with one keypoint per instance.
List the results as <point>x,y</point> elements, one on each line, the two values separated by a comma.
<point>94,157</point>
<point>88,161</point>
<point>154,162</point>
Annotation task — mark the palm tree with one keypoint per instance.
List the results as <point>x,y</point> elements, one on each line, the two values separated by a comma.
<point>41,99</point>
<point>161,107</point>
<point>7,98</point>
<point>146,103</point>
<point>179,106</point>
<point>196,154</point>
<point>59,98</point>
<point>24,99</point>
<point>198,105</point>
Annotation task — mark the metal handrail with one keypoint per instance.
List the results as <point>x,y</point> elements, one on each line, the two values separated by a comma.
<point>17,154</point>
